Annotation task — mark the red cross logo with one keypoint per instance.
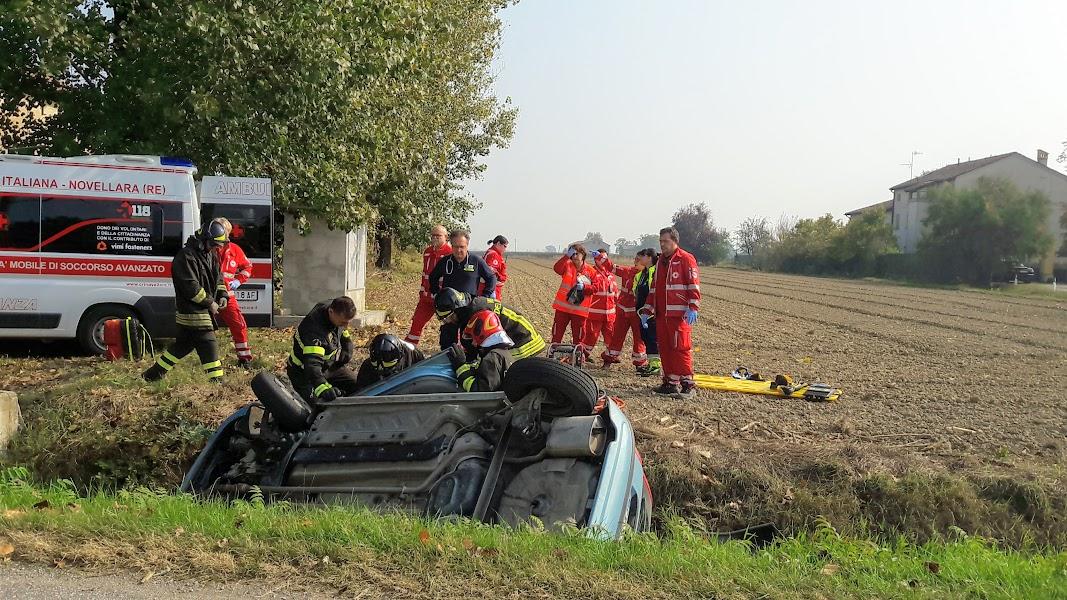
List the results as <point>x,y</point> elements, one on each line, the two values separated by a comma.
<point>3,222</point>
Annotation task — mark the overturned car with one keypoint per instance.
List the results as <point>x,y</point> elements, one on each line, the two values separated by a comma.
<point>549,448</point>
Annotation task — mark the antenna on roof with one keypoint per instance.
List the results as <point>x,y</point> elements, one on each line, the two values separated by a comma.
<point>911,164</point>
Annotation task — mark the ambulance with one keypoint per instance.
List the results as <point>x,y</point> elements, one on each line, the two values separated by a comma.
<point>90,238</point>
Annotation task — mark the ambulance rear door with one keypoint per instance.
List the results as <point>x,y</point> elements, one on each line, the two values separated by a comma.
<point>247,203</point>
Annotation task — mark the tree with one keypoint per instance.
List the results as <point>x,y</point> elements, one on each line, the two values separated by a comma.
<point>698,234</point>
<point>367,112</point>
<point>970,232</point>
<point>649,240</point>
<point>594,240</point>
<point>753,236</point>
<point>856,247</point>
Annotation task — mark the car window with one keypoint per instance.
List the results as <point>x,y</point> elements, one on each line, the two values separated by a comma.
<point>20,223</point>
<point>110,226</point>
<point>251,226</point>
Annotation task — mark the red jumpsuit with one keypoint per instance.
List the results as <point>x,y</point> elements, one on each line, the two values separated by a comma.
<point>424,310</point>
<point>602,307</point>
<point>626,320</point>
<point>574,315</point>
<point>235,267</point>
<point>496,262</point>
<point>675,290</point>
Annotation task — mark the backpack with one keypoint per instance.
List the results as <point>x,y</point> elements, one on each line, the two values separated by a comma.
<point>126,338</point>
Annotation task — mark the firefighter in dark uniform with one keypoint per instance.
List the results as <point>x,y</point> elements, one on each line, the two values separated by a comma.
<point>388,355</point>
<point>455,307</point>
<point>483,369</point>
<point>199,293</point>
<point>322,347</point>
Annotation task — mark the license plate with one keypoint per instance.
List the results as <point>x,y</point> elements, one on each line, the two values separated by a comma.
<point>247,295</point>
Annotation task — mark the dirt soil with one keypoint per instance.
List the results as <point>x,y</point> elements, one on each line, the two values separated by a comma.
<point>938,382</point>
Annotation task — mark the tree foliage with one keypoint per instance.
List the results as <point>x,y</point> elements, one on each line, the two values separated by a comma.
<point>970,232</point>
<point>826,246</point>
<point>360,111</point>
<point>698,234</point>
<point>753,236</point>
<point>649,240</point>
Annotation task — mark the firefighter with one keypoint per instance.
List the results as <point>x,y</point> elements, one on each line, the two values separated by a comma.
<point>456,307</point>
<point>602,306</point>
<point>491,356</point>
<point>674,299</point>
<point>462,271</point>
<point>199,293</point>
<point>494,257</point>
<point>574,295</point>
<point>438,249</point>
<point>236,270</point>
<point>626,312</point>
<point>388,355</point>
<point>322,347</point>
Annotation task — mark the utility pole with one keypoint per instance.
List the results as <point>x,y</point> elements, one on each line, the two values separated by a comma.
<point>911,164</point>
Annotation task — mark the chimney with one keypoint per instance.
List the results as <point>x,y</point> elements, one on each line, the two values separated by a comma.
<point>1042,157</point>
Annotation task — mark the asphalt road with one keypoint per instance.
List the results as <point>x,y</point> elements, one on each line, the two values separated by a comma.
<point>19,581</point>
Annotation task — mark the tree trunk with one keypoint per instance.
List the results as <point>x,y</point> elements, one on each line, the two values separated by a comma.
<point>384,241</point>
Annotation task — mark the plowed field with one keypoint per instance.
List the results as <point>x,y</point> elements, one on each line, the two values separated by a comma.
<point>940,382</point>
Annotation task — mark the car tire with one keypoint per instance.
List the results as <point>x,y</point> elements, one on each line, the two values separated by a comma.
<point>91,325</point>
<point>571,391</point>
<point>290,411</point>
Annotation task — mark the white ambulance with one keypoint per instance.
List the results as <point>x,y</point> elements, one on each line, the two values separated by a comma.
<point>89,238</point>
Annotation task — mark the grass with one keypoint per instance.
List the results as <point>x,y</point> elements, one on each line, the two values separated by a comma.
<point>375,555</point>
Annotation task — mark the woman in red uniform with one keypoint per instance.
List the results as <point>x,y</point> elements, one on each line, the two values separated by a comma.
<point>602,307</point>
<point>494,257</point>
<point>626,319</point>
<point>576,289</point>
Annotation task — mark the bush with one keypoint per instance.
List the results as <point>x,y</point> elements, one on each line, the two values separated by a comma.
<point>825,246</point>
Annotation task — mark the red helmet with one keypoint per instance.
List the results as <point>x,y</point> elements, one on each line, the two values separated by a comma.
<point>484,329</point>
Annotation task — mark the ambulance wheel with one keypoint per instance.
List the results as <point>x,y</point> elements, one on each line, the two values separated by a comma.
<point>572,392</point>
<point>91,326</point>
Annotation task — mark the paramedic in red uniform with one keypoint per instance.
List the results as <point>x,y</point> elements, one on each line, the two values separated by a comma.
<point>674,301</point>
<point>433,253</point>
<point>626,313</point>
<point>576,288</point>
<point>236,270</point>
<point>494,257</point>
<point>602,306</point>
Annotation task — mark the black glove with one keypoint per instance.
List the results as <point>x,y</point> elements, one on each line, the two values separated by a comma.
<point>342,358</point>
<point>328,395</point>
<point>457,355</point>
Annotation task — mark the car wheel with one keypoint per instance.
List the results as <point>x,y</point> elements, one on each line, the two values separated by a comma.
<point>571,391</point>
<point>290,411</point>
<point>91,326</point>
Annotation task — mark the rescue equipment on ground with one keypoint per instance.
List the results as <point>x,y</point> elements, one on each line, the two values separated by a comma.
<point>568,354</point>
<point>127,338</point>
<point>744,381</point>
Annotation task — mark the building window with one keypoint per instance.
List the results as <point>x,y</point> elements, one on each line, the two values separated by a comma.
<point>922,193</point>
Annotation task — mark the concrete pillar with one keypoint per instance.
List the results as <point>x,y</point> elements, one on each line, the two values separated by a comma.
<point>322,265</point>
<point>10,418</point>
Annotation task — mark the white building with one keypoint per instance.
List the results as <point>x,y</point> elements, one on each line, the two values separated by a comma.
<point>908,207</point>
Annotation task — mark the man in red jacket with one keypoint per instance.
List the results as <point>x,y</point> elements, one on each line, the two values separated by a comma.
<point>494,257</point>
<point>674,300</point>
<point>236,269</point>
<point>438,249</point>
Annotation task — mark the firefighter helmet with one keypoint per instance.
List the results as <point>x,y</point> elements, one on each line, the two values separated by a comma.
<point>449,300</point>
<point>386,350</point>
<point>485,330</point>
<point>214,234</point>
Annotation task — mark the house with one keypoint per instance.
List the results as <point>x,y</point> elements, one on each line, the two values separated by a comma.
<point>908,208</point>
<point>885,208</point>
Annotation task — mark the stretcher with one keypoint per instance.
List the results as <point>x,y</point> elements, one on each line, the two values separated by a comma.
<point>807,391</point>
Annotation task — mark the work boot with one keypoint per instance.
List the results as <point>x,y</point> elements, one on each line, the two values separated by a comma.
<point>245,364</point>
<point>667,389</point>
<point>154,373</point>
<point>687,391</point>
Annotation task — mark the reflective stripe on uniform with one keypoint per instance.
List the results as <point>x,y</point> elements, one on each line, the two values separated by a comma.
<point>193,319</point>
<point>200,296</point>
<point>166,361</point>
<point>213,369</point>
<point>211,365</point>
<point>295,360</point>
<point>468,383</point>
<point>464,368</point>
<point>530,348</point>
<point>322,387</point>
<point>319,350</point>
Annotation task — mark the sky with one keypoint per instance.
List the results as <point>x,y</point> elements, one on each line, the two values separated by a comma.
<point>630,109</point>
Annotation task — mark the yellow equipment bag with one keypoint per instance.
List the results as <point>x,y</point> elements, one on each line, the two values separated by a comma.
<point>813,391</point>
